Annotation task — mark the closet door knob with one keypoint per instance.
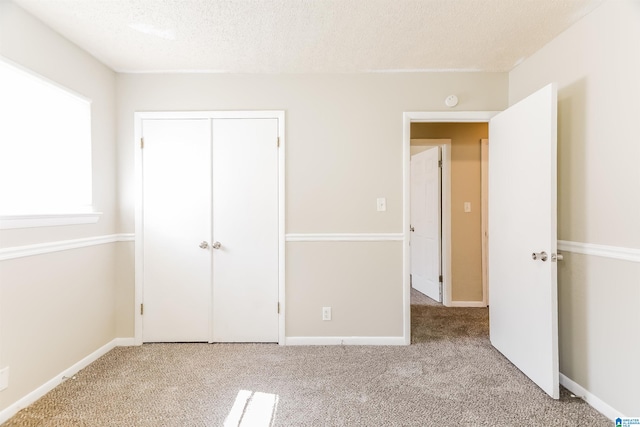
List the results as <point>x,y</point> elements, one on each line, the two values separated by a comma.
<point>542,256</point>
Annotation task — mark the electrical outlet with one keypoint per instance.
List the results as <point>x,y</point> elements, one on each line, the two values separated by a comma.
<point>4,378</point>
<point>381,204</point>
<point>326,313</point>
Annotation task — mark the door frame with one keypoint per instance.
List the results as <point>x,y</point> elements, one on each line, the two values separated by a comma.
<point>407,119</point>
<point>138,169</point>
<point>445,210</point>
<point>484,193</point>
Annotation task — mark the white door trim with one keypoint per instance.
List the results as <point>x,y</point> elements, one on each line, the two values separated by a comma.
<point>484,191</point>
<point>138,117</point>
<point>407,119</point>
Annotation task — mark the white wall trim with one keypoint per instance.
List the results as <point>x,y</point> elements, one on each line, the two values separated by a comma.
<point>47,80</point>
<point>614,252</point>
<point>61,245</point>
<point>345,341</point>
<point>45,388</point>
<point>48,220</point>
<point>343,237</point>
<point>467,304</point>
<point>126,237</point>
<point>125,342</point>
<point>595,402</point>
<point>450,116</point>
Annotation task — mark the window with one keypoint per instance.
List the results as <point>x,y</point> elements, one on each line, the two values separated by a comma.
<point>45,150</point>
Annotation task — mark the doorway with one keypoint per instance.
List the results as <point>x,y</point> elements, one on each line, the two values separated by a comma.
<point>462,211</point>
<point>210,227</point>
<point>428,117</point>
<point>523,222</point>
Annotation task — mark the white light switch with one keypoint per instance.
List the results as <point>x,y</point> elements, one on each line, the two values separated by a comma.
<point>467,206</point>
<point>382,204</point>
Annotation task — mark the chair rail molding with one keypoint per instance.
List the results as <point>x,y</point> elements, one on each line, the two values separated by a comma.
<point>343,237</point>
<point>614,252</point>
<point>62,245</point>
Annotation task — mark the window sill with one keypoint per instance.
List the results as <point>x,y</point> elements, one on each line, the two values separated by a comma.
<point>48,220</point>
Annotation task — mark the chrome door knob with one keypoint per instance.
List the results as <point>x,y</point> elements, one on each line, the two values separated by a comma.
<point>204,245</point>
<point>216,245</point>
<point>542,256</point>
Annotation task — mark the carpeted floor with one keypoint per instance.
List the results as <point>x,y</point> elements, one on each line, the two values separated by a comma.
<point>449,376</point>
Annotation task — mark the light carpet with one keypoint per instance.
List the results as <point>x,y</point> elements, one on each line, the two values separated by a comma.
<point>449,376</point>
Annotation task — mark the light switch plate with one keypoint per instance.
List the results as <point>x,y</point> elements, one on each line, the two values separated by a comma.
<point>381,203</point>
<point>467,206</point>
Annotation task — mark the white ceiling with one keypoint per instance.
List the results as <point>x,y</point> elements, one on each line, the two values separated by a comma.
<point>309,36</point>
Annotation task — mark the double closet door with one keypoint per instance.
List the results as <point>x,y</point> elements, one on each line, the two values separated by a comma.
<point>209,229</point>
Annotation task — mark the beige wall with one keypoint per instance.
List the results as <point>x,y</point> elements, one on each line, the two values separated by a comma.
<point>356,279</point>
<point>344,133</point>
<point>466,227</point>
<point>125,274</point>
<point>596,63</point>
<point>599,326</point>
<point>343,150</point>
<point>57,308</point>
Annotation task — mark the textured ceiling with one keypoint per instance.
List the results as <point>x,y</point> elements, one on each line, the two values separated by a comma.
<point>309,36</point>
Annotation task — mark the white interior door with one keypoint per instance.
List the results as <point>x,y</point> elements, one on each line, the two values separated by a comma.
<point>522,220</point>
<point>245,223</point>
<point>176,219</point>
<point>425,223</point>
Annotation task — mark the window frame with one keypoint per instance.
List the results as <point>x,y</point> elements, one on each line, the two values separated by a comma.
<point>67,216</point>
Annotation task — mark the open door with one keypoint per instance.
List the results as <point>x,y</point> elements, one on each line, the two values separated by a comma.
<point>425,223</point>
<point>522,250</point>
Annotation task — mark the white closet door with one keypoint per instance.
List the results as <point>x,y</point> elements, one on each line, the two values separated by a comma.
<point>176,219</point>
<point>245,223</point>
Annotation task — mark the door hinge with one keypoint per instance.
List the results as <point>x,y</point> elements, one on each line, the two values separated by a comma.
<point>141,309</point>
<point>278,142</point>
<point>440,278</point>
<point>278,308</point>
<point>141,142</point>
<point>439,163</point>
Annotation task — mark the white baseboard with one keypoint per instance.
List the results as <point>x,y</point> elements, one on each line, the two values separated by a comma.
<point>45,388</point>
<point>345,341</point>
<point>124,342</point>
<point>467,304</point>
<point>597,404</point>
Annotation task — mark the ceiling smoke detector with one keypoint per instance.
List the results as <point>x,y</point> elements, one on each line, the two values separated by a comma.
<point>451,101</point>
